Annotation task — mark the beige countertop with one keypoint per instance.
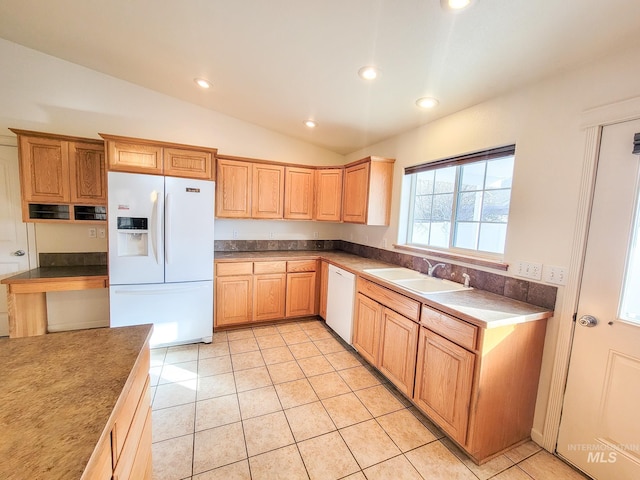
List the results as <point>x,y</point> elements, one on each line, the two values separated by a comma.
<point>57,393</point>
<point>481,308</point>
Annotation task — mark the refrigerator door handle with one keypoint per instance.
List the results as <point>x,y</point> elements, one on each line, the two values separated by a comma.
<point>155,226</point>
<point>167,228</point>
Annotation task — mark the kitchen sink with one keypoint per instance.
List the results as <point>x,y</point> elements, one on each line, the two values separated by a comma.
<point>393,274</point>
<point>427,284</point>
<point>416,281</point>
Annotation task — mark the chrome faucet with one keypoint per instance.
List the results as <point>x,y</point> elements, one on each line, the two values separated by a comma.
<point>432,268</point>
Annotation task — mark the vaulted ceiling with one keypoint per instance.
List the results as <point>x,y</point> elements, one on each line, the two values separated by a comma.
<point>277,63</point>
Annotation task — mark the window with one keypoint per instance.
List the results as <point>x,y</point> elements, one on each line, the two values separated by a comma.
<point>462,202</point>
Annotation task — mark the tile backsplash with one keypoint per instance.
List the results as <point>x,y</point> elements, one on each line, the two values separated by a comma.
<point>77,259</point>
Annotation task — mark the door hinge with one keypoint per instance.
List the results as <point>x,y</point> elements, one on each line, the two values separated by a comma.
<point>575,316</point>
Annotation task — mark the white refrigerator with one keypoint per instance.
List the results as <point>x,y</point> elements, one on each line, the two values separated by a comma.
<point>161,255</point>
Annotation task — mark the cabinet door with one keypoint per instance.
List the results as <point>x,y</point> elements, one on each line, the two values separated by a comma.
<point>87,174</point>
<point>233,189</point>
<point>398,349</point>
<point>44,170</point>
<point>298,193</point>
<point>268,191</point>
<point>444,377</point>
<point>324,288</point>
<point>356,193</point>
<point>233,300</point>
<point>134,158</point>
<point>269,296</point>
<point>366,328</point>
<point>328,206</point>
<point>301,294</point>
<point>180,162</point>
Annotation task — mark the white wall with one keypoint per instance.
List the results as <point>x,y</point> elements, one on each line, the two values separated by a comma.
<point>543,120</point>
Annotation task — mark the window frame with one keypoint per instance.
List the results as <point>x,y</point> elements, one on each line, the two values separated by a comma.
<point>458,161</point>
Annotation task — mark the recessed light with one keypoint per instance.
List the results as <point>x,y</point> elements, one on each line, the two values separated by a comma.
<point>202,83</point>
<point>310,123</point>
<point>455,5</point>
<point>368,73</point>
<point>427,102</point>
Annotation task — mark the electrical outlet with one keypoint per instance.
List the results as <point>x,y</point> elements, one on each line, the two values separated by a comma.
<point>235,234</point>
<point>271,235</point>
<point>555,275</point>
<point>384,243</point>
<point>101,232</point>
<point>315,234</point>
<point>529,270</point>
<point>92,232</point>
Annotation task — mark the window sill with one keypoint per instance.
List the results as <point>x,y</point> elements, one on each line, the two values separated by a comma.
<point>483,262</point>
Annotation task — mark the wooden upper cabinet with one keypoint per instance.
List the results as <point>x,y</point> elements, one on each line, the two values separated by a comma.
<point>87,173</point>
<point>328,202</point>
<point>180,162</point>
<point>154,157</point>
<point>233,189</point>
<point>125,156</point>
<point>267,191</point>
<point>299,189</point>
<point>44,169</point>
<point>367,191</point>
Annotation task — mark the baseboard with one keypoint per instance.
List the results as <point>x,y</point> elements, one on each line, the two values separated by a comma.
<point>538,437</point>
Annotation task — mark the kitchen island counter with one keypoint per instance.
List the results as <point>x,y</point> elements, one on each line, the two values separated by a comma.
<point>60,394</point>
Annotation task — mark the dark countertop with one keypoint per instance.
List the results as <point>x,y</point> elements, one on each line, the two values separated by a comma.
<point>49,273</point>
<point>481,308</point>
<point>58,392</point>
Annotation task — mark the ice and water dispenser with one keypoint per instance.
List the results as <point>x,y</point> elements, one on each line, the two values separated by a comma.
<point>133,237</point>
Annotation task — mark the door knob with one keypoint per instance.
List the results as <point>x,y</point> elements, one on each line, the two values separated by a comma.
<point>588,321</point>
<point>18,253</point>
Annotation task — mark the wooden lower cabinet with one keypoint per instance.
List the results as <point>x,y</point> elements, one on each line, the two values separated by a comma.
<point>397,357</point>
<point>269,292</point>
<point>233,300</point>
<point>444,377</point>
<point>324,288</point>
<point>301,288</point>
<point>366,328</point>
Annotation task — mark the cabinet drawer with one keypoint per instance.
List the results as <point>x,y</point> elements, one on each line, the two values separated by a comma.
<point>238,268</point>
<point>458,331</point>
<point>393,300</point>
<point>269,267</point>
<point>136,439</point>
<point>302,266</point>
<point>135,395</point>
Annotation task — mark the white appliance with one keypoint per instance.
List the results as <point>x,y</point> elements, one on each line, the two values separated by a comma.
<point>341,293</point>
<point>161,255</point>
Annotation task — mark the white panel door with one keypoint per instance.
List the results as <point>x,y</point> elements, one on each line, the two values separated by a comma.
<point>14,251</point>
<point>600,426</point>
<point>136,256</point>
<point>188,229</point>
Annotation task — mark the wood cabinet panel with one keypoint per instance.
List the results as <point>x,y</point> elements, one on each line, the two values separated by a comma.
<point>324,289</point>
<point>101,468</point>
<point>444,378</point>
<point>267,191</point>
<point>182,162</point>
<point>269,267</point>
<point>395,301</point>
<point>299,190</point>
<point>328,203</point>
<point>458,331</point>
<point>87,173</point>
<point>302,265</point>
<point>301,294</point>
<point>398,348</point>
<point>126,156</point>
<point>356,192</point>
<point>269,292</point>
<point>233,189</point>
<point>366,328</point>
<point>233,300</point>
<point>235,268</point>
<point>44,169</point>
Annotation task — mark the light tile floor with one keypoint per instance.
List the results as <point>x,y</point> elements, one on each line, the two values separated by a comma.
<point>293,402</point>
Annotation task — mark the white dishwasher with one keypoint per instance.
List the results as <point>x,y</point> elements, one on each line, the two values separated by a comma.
<point>341,294</point>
